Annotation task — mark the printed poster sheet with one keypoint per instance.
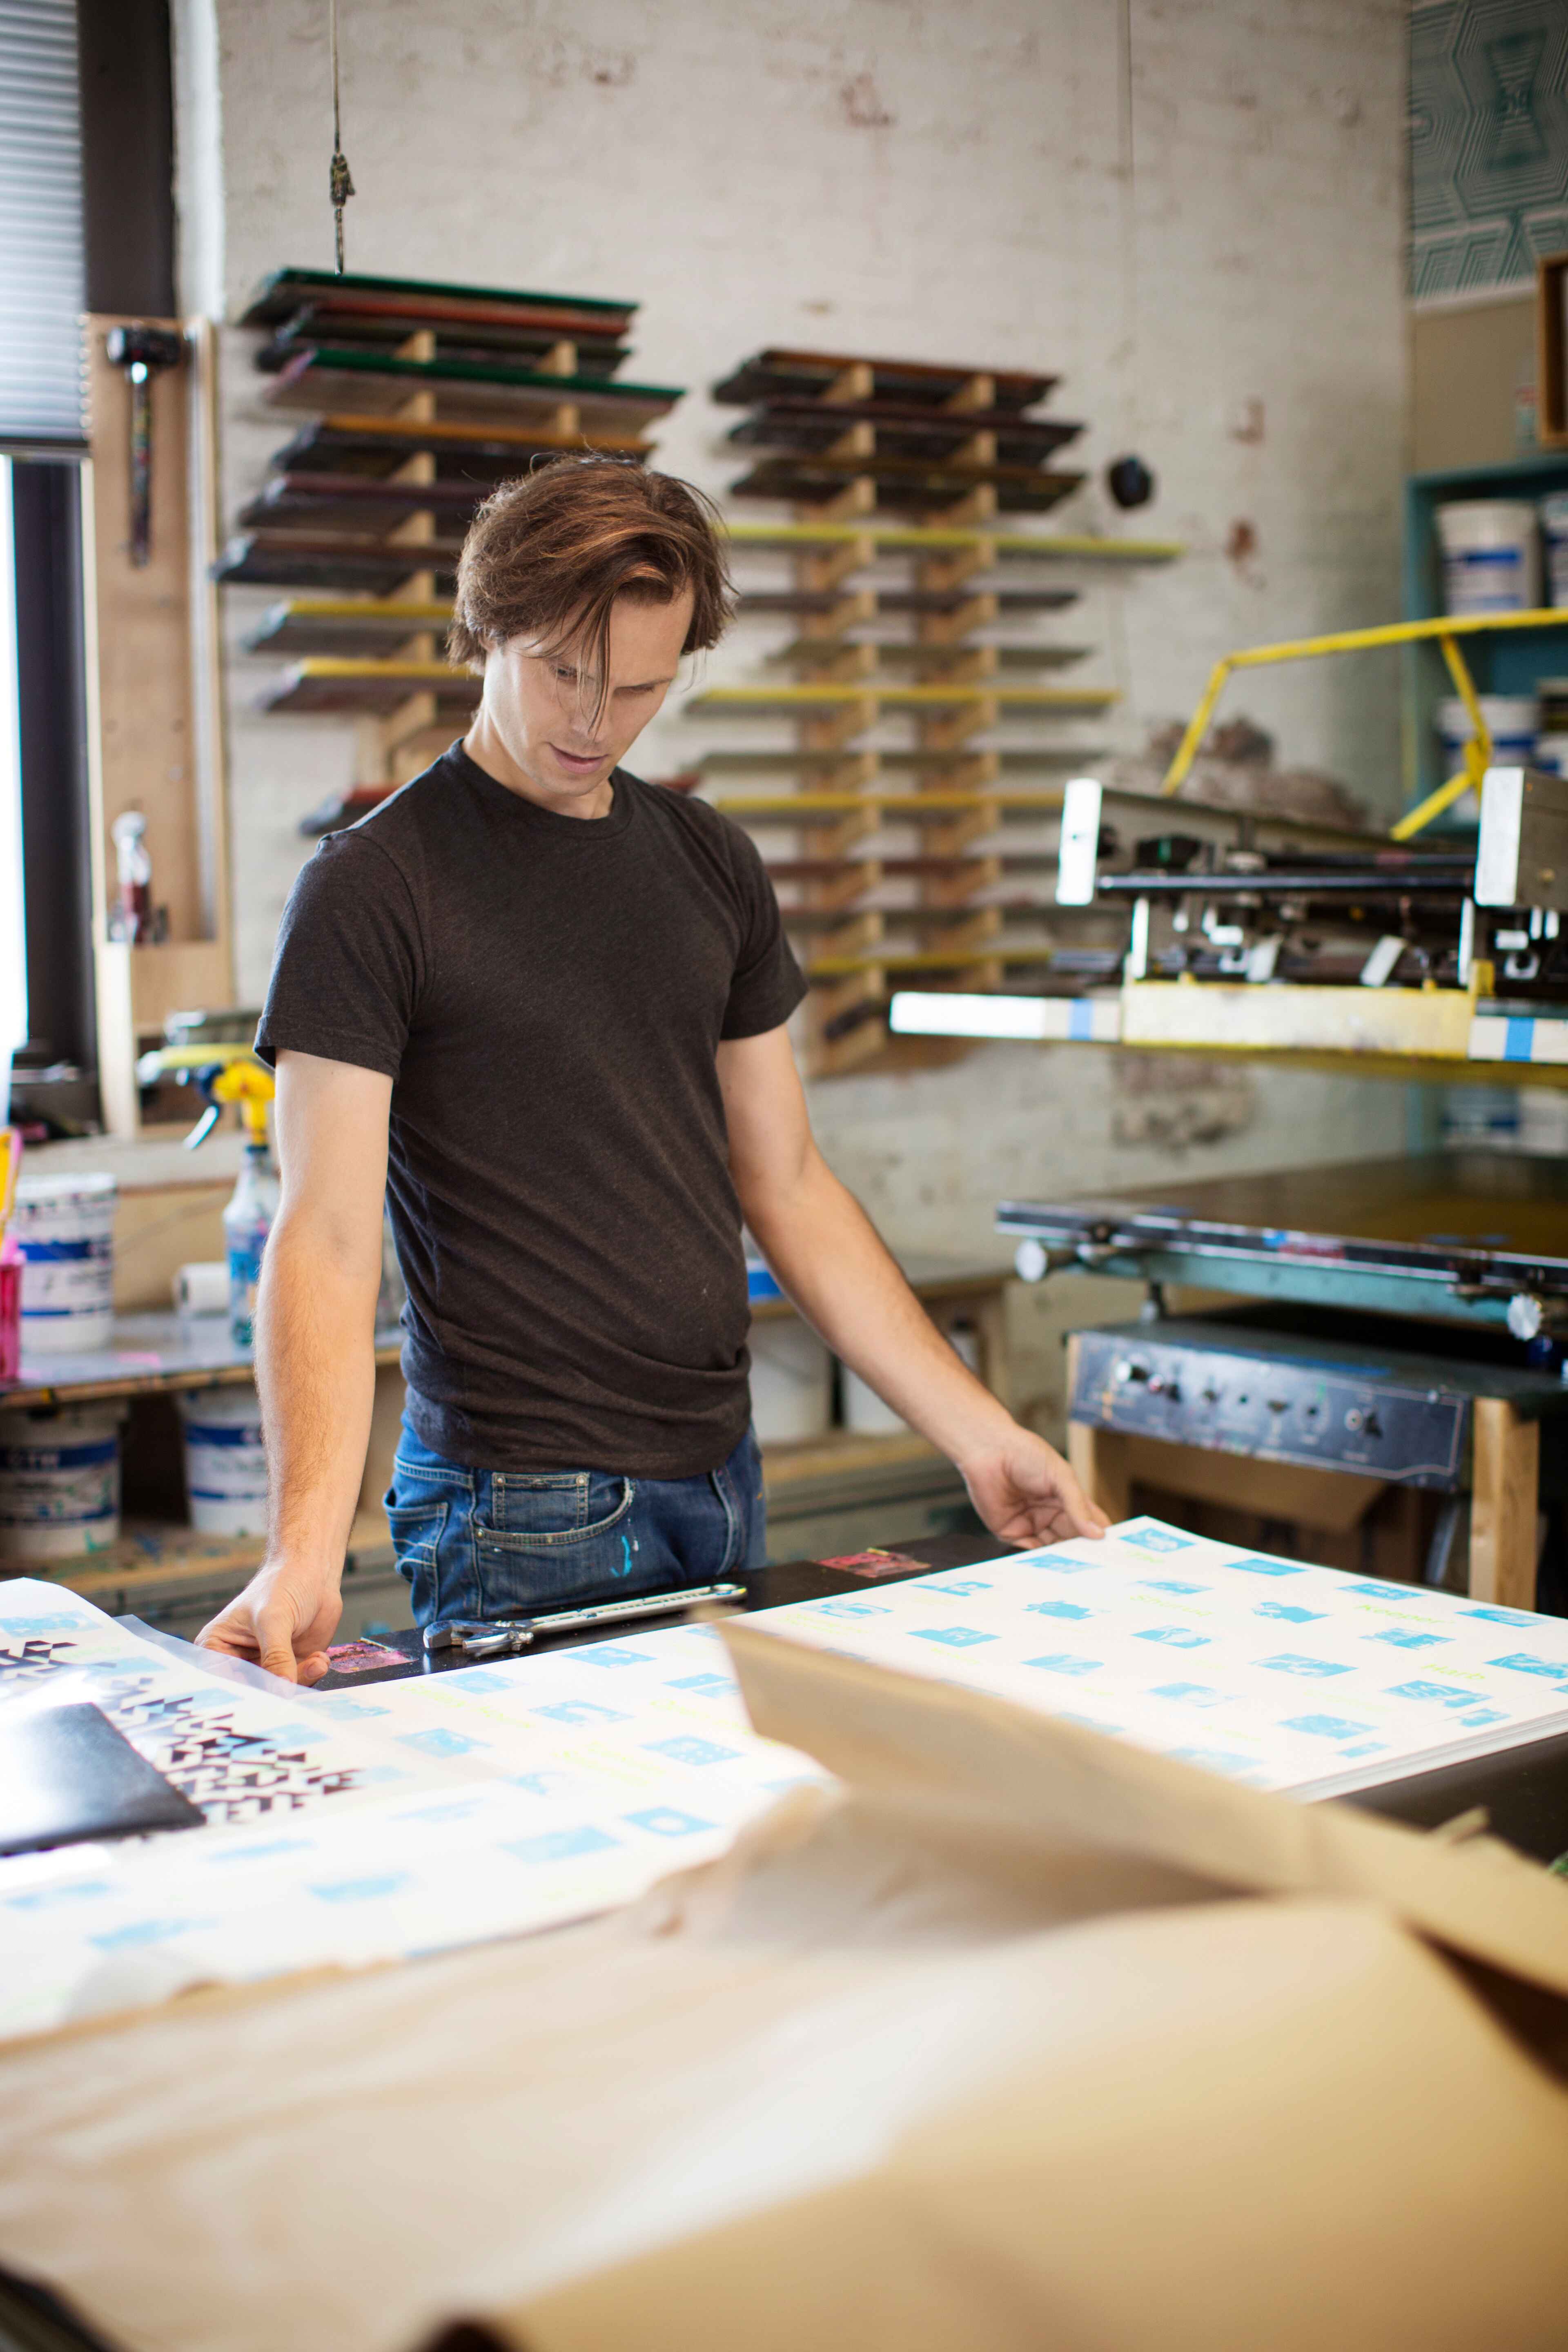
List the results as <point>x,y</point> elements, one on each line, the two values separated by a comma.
<point>401,1818</point>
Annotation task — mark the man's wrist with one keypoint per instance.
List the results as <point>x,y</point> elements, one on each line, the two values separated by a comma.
<point>977,1432</point>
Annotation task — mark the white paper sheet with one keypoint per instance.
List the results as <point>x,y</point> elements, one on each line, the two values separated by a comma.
<point>571,1782</point>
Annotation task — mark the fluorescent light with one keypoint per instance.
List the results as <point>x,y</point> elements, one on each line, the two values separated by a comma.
<point>944,1014</point>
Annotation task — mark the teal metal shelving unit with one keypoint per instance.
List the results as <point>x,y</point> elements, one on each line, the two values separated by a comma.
<point>1512,662</point>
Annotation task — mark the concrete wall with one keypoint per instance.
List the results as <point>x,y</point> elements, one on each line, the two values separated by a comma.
<point>1203,235</point>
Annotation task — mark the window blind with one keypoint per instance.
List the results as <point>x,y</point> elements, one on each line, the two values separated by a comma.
<point>41,252</point>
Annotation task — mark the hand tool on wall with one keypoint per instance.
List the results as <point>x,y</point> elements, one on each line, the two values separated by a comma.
<point>141,351</point>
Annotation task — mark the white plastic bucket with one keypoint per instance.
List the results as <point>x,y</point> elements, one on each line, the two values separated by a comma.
<point>791,1382</point>
<point>226,1467</point>
<point>1552,753</point>
<point>65,1229</point>
<point>1554,525</point>
<point>1491,555</point>
<point>1514,722</point>
<point>59,1481</point>
<point>864,1410</point>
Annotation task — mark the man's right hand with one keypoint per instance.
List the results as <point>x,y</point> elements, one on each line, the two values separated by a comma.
<point>283,1620</point>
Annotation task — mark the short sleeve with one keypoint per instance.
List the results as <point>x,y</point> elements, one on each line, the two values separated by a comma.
<point>349,963</point>
<point>768,983</point>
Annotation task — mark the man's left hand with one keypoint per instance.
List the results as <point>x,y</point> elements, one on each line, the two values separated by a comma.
<point>1027,1494</point>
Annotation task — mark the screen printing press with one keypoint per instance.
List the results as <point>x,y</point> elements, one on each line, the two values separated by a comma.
<point>1407,1330</point>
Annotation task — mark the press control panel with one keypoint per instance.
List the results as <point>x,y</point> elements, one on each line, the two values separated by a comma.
<point>1190,1386</point>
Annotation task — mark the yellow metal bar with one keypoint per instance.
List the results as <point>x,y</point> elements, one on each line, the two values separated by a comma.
<point>1418,819</point>
<point>829,698</point>
<point>938,539</point>
<point>1443,627</point>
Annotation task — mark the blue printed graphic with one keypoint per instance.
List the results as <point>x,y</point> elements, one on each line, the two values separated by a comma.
<point>1057,1609</point>
<point>1261,1565</point>
<point>852,1608</point>
<point>484,1678</point>
<point>1189,1694</point>
<point>1218,1759</point>
<point>1406,1592</point>
<point>1060,1563</point>
<point>1478,1719</point>
<point>44,1898</point>
<point>440,1741</point>
<point>1520,1617</point>
<point>1169,1584</point>
<point>704,1682</point>
<point>1440,1694</point>
<point>1064,1664</point>
<point>364,1890</point>
<point>583,1710</point>
<point>355,1708</point>
<point>146,1931</point>
<point>1156,1539</point>
<point>668,1820</point>
<point>243,1853</point>
<point>561,1845</point>
<point>1401,1640</point>
<point>457,1808</point>
<point>955,1637</point>
<point>1523,1663</point>
<point>966,1592</point>
<point>610,1653</point>
<point>1283,1609</point>
<point>1290,1663</point>
<point>1326,1727</point>
<point>688,1750</point>
<point>1176,1637</point>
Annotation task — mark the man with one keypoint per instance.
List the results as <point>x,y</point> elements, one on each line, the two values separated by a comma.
<point>540,1005</point>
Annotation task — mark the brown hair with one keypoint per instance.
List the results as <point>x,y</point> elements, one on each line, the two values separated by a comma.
<point>554,550</point>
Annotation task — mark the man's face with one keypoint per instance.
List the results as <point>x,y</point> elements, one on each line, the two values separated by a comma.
<point>539,708</point>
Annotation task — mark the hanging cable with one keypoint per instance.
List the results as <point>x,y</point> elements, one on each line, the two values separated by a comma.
<point>339,181</point>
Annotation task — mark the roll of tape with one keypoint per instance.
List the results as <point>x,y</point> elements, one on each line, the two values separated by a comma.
<point>202,1289</point>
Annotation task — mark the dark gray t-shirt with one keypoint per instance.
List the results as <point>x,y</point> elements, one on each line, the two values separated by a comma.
<point>547,994</point>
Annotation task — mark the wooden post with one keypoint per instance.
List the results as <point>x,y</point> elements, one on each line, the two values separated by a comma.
<point>1100,1458</point>
<point>1504,1505</point>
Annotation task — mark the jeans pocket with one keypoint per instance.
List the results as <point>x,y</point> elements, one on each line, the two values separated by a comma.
<point>561,1538</point>
<point>416,1531</point>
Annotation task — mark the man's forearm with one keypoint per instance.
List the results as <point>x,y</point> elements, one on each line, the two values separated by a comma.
<point>828,1255</point>
<point>315,1369</point>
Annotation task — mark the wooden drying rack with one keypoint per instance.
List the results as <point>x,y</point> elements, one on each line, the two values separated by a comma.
<point>836,703</point>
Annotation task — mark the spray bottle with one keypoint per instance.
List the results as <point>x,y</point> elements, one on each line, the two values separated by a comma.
<point>232,1073</point>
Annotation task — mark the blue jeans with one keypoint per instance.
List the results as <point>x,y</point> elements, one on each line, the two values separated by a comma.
<point>504,1543</point>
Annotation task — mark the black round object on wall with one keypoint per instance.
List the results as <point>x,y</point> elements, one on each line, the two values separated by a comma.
<point>1130,482</point>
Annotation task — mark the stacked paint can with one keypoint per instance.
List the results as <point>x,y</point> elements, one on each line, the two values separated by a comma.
<point>64,1228</point>
<point>59,1481</point>
<point>226,1466</point>
<point>1491,555</point>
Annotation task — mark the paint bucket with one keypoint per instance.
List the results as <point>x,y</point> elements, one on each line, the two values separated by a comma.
<point>1514,722</point>
<point>1554,527</point>
<point>791,1382</point>
<point>64,1227</point>
<point>59,1481</point>
<point>1552,753</point>
<point>226,1467</point>
<point>864,1410</point>
<point>1491,555</point>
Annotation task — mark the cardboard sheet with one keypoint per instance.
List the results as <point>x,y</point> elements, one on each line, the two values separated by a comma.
<point>984,2044</point>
